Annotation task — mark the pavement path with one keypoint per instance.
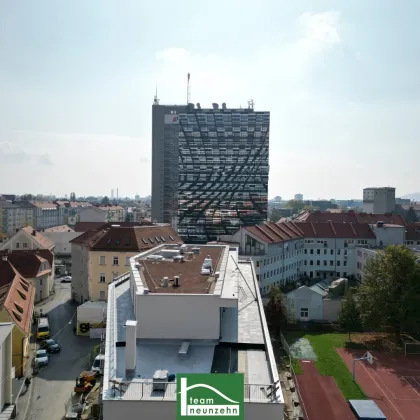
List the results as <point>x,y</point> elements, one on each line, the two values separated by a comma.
<point>52,386</point>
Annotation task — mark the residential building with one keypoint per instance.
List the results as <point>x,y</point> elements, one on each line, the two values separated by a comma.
<point>71,210</point>
<point>209,169</point>
<point>99,256</point>
<point>285,252</point>
<point>28,238</point>
<point>416,209</point>
<point>102,213</point>
<point>204,315</point>
<point>35,267</point>
<point>298,197</point>
<point>6,350</point>
<point>61,236</point>
<point>379,200</point>
<point>317,302</point>
<point>47,215</point>
<point>14,216</point>
<point>412,236</point>
<point>349,217</point>
<point>16,306</point>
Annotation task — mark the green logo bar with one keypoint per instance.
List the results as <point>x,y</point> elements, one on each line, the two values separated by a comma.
<point>210,396</point>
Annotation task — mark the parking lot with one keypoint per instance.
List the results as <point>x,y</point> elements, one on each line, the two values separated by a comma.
<point>51,387</point>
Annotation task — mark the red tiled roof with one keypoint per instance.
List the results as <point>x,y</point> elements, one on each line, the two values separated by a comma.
<point>42,240</point>
<point>17,297</point>
<point>350,217</point>
<point>272,233</point>
<point>412,232</point>
<point>26,263</point>
<point>85,226</point>
<point>136,238</point>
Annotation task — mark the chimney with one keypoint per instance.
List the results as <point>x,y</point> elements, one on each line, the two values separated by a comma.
<point>34,232</point>
<point>130,346</point>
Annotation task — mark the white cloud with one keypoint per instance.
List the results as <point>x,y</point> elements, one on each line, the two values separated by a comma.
<point>12,154</point>
<point>280,68</point>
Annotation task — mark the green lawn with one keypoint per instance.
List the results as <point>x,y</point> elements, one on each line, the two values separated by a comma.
<point>329,362</point>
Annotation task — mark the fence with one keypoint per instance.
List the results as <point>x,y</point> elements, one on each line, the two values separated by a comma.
<point>145,390</point>
<point>299,398</point>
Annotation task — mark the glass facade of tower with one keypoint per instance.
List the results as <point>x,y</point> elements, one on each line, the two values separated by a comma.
<point>223,172</point>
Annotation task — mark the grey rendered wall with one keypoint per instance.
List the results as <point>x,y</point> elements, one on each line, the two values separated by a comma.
<point>80,273</point>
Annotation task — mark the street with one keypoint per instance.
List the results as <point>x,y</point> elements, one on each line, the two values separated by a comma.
<point>51,387</point>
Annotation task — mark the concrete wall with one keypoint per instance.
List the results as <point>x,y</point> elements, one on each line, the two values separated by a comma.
<point>166,410</point>
<point>111,271</point>
<point>178,316</point>
<point>61,241</point>
<point>331,307</point>
<point>6,370</point>
<point>92,214</point>
<point>80,273</point>
<point>306,298</point>
<point>393,235</point>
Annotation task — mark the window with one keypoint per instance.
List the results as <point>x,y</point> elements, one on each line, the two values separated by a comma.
<point>102,278</point>
<point>362,242</point>
<point>40,282</point>
<point>17,245</point>
<point>25,245</point>
<point>318,262</point>
<point>102,295</point>
<point>345,274</point>
<point>331,262</point>
<point>325,252</point>
<point>258,264</point>
<point>127,260</point>
<point>312,251</point>
<point>102,260</point>
<point>115,261</point>
<point>338,252</point>
<point>331,251</point>
<point>338,263</point>
<point>306,251</point>
<point>318,251</point>
<point>345,263</point>
<point>304,312</point>
<point>311,262</point>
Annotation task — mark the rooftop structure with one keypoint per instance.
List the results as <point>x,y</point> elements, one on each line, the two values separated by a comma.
<point>350,217</point>
<point>186,309</point>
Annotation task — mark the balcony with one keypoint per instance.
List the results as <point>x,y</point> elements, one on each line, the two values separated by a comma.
<point>146,390</point>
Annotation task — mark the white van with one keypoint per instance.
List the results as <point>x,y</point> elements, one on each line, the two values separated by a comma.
<point>98,364</point>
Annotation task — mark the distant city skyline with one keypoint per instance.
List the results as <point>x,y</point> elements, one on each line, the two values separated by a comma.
<point>339,78</point>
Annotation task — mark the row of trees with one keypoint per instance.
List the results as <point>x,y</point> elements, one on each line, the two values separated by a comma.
<point>389,296</point>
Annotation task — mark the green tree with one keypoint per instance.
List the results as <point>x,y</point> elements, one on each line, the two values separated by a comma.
<point>411,216</point>
<point>297,206</point>
<point>275,215</point>
<point>390,291</point>
<point>279,314</point>
<point>72,196</point>
<point>349,315</point>
<point>105,200</point>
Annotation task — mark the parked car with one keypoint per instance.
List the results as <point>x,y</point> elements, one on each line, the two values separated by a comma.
<point>41,358</point>
<point>50,346</point>
<point>66,279</point>
<point>98,364</point>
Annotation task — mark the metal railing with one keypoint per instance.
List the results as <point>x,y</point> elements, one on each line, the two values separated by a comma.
<point>146,390</point>
<point>286,348</point>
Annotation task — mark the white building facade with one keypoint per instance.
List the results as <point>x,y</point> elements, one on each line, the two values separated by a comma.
<point>6,374</point>
<point>151,314</point>
<point>379,200</point>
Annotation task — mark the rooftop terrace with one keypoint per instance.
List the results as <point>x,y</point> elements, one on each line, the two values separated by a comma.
<point>243,346</point>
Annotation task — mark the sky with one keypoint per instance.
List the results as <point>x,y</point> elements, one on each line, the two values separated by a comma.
<point>340,79</point>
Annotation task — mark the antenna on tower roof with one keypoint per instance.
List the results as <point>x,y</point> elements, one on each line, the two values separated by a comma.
<point>188,90</point>
<point>156,100</point>
<point>251,104</point>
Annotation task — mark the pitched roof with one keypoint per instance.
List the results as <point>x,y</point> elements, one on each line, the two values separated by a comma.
<point>26,263</point>
<point>17,297</point>
<point>42,240</point>
<point>270,232</point>
<point>62,228</point>
<point>44,204</point>
<point>135,238</point>
<point>85,226</point>
<point>412,232</point>
<point>350,217</point>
